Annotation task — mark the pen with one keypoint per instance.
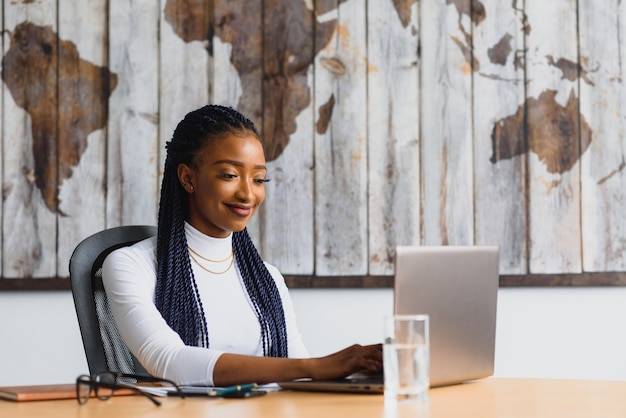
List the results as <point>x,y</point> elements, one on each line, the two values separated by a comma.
<point>232,389</point>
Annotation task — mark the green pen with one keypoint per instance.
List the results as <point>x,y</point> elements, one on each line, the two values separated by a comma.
<point>232,389</point>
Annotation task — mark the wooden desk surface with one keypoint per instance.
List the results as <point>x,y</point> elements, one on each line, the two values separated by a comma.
<point>487,398</point>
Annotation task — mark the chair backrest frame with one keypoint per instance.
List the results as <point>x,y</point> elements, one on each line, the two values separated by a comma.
<point>84,280</point>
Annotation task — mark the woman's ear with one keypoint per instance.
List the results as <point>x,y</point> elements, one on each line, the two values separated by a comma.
<point>186,177</point>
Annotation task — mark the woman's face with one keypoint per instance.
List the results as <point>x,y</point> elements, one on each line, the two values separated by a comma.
<point>227,185</point>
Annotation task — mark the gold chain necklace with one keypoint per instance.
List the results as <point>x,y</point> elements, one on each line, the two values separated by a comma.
<point>231,256</point>
<point>208,259</point>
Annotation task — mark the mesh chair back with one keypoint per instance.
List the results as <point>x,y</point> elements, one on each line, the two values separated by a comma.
<point>104,347</point>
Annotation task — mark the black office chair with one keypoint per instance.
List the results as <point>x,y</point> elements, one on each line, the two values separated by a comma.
<point>103,344</point>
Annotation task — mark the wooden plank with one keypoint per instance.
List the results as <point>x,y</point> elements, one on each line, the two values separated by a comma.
<point>286,217</point>
<point>30,140</point>
<point>553,138</point>
<point>132,171</point>
<point>613,279</point>
<point>341,144</point>
<point>609,278</point>
<point>184,65</point>
<point>226,84</point>
<point>238,67</point>
<point>2,138</point>
<point>84,89</point>
<point>393,132</point>
<point>602,101</point>
<point>446,104</point>
<point>29,284</point>
<point>339,282</point>
<point>499,169</point>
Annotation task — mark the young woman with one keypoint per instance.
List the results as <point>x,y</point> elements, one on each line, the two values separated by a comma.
<point>196,304</point>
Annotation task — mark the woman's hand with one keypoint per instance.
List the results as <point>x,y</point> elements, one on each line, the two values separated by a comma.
<point>356,358</point>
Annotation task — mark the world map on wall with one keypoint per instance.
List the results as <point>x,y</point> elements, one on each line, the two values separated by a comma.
<point>66,96</point>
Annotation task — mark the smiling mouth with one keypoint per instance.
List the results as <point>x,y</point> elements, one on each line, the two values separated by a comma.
<point>242,211</point>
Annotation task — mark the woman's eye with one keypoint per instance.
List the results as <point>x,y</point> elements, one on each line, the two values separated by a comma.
<point>261,181</point>
<point>227,175</point>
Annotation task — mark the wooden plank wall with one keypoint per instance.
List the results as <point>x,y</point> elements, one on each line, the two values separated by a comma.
<point>387,122</point>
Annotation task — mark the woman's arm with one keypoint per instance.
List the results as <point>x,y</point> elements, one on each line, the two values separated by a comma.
<point>233,369</point>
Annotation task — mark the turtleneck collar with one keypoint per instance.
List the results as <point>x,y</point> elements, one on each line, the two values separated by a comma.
<point>210,247</point>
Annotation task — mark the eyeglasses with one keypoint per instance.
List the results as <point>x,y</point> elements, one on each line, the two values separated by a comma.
<point>104,384</point>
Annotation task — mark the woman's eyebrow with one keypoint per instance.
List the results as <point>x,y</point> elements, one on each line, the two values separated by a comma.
<point>239,164</point>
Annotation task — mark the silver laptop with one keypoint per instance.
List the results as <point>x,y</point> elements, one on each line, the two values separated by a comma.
<point>457,287</point>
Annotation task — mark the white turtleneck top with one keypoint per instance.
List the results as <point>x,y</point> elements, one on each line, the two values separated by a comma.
<point>129,278</point>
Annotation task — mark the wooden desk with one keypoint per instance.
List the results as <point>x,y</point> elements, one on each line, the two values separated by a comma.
<point>493,397</point>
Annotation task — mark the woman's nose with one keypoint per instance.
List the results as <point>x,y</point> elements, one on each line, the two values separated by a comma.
<point>244,191</point>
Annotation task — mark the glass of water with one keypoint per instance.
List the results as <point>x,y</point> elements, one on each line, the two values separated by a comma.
<point>406,358</point>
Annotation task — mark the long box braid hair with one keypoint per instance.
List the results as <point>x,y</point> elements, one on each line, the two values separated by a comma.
<point>176,293</point>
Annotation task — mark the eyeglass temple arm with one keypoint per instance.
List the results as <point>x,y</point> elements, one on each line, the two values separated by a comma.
<point>149,378</point>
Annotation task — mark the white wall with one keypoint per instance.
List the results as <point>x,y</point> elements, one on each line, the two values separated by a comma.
<point>542,332</point>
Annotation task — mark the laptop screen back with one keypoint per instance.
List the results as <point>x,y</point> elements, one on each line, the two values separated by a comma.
<point>457,287</point>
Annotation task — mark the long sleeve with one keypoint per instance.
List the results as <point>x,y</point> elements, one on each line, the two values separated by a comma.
<point>129,277</point>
